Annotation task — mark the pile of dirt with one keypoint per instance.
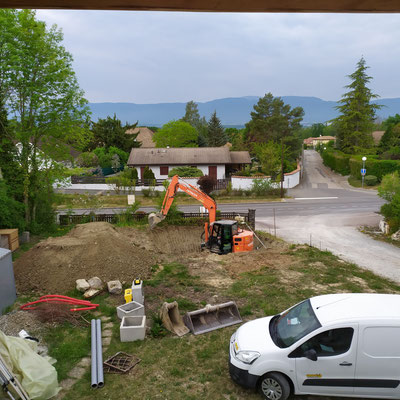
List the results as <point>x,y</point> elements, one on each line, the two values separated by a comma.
<point>94,249</point>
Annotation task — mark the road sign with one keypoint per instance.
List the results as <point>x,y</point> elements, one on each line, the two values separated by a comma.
<point>363,171</point>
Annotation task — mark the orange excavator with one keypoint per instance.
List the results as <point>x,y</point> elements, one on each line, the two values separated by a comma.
<point>220,237</point>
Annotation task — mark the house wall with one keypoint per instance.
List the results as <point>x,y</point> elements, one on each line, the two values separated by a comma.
<point>291,180</point>
<point>203,168</point>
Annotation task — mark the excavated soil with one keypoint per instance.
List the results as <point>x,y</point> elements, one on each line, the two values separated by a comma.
<point>99,249</point>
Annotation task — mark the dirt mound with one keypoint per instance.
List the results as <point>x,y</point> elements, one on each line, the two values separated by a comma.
<point>94,249</point>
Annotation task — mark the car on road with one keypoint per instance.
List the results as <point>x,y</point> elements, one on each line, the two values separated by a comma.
<point>344,345</point>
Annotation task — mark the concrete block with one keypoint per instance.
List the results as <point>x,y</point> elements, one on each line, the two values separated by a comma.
<point>137,291</point>
<point>130,309</point>
<point>132,328</point>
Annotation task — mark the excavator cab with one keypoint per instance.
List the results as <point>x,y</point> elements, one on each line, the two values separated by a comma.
<point>226,237</point>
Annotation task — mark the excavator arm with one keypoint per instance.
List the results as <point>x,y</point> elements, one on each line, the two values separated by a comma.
<point>174,186</point>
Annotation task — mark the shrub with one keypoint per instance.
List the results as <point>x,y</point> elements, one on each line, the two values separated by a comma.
<point>130,173</point>
<point>371,180</point>
<point>148,173</point>
<point>11,211</point>
<point>262,187</point>
<point>337,161</point>
<point>87,160</point>
<point>206,184</point>
<point>378,168</point>
<point>186,172</point>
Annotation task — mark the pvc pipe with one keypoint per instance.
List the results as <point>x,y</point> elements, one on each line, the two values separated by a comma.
<point>99,359</point>
<point>94,353</point>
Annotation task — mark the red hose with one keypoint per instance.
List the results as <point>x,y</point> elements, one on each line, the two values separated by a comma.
<point>55,298</point>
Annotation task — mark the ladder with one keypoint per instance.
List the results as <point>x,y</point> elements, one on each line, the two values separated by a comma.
<point>9,382</point>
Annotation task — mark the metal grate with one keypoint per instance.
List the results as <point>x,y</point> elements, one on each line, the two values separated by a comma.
<point>120,363</point>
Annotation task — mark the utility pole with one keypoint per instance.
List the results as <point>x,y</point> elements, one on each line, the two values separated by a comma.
<point>282,174</point>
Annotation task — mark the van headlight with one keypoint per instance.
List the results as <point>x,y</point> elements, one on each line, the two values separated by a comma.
<point>247,356</point>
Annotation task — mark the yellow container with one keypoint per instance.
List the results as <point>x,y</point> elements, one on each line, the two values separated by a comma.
<point>128,295</point>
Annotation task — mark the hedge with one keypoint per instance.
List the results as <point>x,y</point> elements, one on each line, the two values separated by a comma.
<point>379,168</point>
<point>337,161</point>
<point>348,164</point>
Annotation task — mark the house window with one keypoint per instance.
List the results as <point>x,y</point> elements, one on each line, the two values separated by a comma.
<point>164,171</point>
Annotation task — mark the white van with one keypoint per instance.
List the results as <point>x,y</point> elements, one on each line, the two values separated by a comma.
<point>344,345</point>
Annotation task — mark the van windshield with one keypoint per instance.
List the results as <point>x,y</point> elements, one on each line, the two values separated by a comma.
<point>289,327</point>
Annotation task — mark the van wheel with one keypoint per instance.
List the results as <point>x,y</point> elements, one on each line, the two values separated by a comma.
<point>274,386</point>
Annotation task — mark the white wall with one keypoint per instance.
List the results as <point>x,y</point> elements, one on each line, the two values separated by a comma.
<point>203,168</point>
<point>291,180</point>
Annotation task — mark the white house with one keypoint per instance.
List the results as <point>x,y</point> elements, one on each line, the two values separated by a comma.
<point>217,162</point>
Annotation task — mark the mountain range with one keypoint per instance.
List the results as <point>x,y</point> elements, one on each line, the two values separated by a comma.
<point>233,111</point>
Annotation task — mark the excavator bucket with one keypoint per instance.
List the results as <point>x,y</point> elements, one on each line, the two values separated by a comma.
<point>155,219</point>
<point>172,320</point>
<point>212,317</point>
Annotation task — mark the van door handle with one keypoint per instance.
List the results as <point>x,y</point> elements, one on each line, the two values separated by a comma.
<point>345,364</point>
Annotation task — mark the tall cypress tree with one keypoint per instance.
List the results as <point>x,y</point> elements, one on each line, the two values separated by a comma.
<point>216,132</point>
<point>357,114</point>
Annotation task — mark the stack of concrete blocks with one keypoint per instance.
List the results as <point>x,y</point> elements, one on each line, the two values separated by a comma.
<point>133,324</point>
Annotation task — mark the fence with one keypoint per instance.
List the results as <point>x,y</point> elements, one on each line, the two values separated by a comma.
<point>248,217</point>
<point>102,179</point>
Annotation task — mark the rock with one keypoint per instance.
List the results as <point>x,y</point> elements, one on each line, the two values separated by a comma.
<point>89,294</point>
<point>114,287</point>
<point>384,227</point>
<point>396,235</point>
<point>82,285</point>
<point>95,283</point>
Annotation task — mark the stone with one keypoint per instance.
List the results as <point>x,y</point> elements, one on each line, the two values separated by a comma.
<point>89,294</point>
<point>396,235</point>
<point>106,341</point>
<point>95,283</point>
<point>384,227</point>
<point>114,287</point>
<point>76,372</point>
<point>82,285</point>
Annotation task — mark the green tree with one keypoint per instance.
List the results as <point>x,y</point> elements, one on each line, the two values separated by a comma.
<point>272,119</point>
<point>176,134</point>
<point>110,132</point>
<point>216,133</point>
<point>390,191</point>
<point>391,137</point>
<point>357,114</point>
<point>41,90</point>
<point>193,118</point>
<point>269,156</point>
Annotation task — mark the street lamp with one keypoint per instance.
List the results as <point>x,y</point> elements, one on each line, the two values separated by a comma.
<point>363,171</point>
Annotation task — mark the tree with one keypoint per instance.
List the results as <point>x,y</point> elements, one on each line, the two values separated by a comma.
<point>357,114</point>
<point>390,191</point>
<point>41,91</point>
<point>110,132</point>
<point>176,134</point>
<point>391,137</point>
<point>269,156</point>
<point>216,132</point>
<point>272,119</point>
<point>193,118</point>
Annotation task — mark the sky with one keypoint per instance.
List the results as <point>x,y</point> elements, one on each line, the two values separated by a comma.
<point>156,57</point>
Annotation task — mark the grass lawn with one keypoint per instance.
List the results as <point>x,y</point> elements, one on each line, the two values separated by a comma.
<point>196,367</point>
<point>70,201</point>
<point>357,183</point>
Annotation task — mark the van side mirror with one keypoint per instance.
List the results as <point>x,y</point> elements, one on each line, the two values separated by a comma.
<point>311,355</point>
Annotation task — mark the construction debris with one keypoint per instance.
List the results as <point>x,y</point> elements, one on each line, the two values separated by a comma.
<point>114,287</point>
<point>120,363</point>
<point>95,283</point>
<point>172,319</point>
<point>82,285</point>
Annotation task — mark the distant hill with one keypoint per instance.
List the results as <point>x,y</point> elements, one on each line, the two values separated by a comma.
<point>233,111</point>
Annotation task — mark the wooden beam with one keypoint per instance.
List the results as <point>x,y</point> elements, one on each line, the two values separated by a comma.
<point>287,6</point>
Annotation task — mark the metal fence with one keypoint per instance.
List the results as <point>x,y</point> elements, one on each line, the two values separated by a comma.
<point>191,218</point>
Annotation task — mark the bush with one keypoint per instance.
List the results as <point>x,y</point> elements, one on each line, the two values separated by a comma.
<point>186,172</point>
<point>130,173</point>
<point>148,173</point>
<point>87,160</point>
<point>371,180</point>
<point>337,161</point>
<point>11,211</point>
<point>206,184</point>
<point>262,187</point>
<point>378,168</point>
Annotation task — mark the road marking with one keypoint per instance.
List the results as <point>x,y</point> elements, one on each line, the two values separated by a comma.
<point>315,198</point>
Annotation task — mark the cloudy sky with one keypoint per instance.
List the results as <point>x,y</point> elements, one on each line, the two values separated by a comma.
<point>152,57</point>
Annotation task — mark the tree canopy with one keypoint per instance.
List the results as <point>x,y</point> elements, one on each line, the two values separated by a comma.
<point>41,92</point>
<point>110,132</point>
<point>355,123</point>
<point>215,132</point>
<point>192,117</point>
<point>176,134</point>
<point>272,119</point>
